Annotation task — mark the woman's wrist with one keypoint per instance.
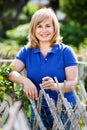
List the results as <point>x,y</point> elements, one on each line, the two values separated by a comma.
<point>60,87</point>
<point>24,80</point>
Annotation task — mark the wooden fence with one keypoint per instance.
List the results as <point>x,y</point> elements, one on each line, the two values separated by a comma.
<point>17,119</point>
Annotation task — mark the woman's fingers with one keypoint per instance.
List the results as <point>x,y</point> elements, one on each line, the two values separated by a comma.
<point>48,83</point>
<point>32,93</point>
<point>46,78</point>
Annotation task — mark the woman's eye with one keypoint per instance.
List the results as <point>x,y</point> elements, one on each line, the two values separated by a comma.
<point>48,26</point>
<point>39,26</point>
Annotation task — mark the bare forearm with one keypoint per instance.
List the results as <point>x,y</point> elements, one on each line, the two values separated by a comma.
<point>30,88</point>
<point>16,77</point>
<point>68,86</point>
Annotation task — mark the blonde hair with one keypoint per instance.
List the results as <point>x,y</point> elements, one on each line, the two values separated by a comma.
<point>38,17</point>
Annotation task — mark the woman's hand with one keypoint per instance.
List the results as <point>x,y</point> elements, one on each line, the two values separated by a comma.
<point>15,76</point>
<point>30,89</point>
<point>48,83</point>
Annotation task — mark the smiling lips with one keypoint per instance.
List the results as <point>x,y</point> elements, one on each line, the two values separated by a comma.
<point>44,35</point>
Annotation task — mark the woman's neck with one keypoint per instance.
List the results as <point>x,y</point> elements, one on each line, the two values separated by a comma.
<point>45,48</point>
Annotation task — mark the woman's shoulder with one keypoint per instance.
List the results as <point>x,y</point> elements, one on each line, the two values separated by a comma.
<point>25,48</point>
<point>63,46</point>
<point>23,53</point>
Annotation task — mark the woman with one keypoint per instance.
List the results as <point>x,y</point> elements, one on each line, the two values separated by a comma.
<point>44,58</point>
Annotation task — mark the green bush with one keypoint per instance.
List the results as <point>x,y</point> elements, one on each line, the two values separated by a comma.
<point>29,10</point>
<point>19,34</point>
<point>16,92</point>
<point>74,34</point>
<point>75,10</point>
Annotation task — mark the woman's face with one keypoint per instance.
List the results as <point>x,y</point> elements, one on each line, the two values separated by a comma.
<point>45,31</point>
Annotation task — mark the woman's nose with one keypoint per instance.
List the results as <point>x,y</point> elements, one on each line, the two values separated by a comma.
<point>44,29</point>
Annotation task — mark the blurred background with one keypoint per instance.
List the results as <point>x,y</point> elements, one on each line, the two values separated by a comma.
<point>15,16</point>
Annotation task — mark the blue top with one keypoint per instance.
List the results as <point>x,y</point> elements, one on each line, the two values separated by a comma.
<point>53,65</point>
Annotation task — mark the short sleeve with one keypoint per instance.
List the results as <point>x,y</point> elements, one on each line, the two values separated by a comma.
<point>69,56</point>
<point>22,54</point>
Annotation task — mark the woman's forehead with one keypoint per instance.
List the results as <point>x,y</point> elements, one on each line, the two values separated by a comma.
<point>46,21</point>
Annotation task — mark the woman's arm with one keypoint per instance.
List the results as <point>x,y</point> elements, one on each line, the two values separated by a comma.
<point>71,80</point>
<point>15,76</point>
